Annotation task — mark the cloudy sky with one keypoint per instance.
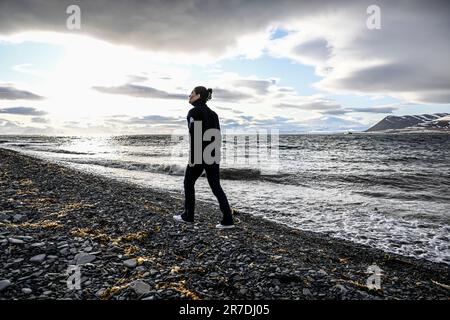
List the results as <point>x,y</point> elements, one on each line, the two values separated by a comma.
<point>291,65</point>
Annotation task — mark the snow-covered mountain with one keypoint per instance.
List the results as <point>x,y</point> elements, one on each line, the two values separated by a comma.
<point>441,123</point>
<point>438,121</point>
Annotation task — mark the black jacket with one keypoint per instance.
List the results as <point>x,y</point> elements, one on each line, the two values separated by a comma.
<point>209,119</point>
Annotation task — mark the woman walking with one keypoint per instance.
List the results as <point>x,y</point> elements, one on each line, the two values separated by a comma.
<point>202,114</point>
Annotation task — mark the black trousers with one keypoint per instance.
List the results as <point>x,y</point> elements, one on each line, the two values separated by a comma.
<point>213,175</point>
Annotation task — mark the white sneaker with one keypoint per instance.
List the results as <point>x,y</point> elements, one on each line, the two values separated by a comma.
<point>221,226</point>
<point>180,219</point>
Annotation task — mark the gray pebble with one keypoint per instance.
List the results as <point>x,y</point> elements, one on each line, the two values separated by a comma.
<point>26,238</point>
<point>130,263</point>
<point>15,241</point>
<point>37,244</point>
<point>153,272</point>
<point>82,258</point>
<point>322,273</point>
<point>38,258</point>
<point>18,217</point>
<point>100,292</point>
<point>140,287</point>
<point>306,292</point>
<point>4,284</point>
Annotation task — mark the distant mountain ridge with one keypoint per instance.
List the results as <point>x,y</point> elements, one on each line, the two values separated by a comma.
<point>438,121</point>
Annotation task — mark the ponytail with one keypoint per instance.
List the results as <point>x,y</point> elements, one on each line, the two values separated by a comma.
<point>209,94</point>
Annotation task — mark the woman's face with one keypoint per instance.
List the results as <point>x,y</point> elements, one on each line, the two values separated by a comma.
<point>193,97</point>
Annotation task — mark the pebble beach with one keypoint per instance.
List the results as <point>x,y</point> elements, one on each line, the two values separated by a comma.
<point>122,243</point>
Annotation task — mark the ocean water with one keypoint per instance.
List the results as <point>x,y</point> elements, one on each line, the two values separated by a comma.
<point>389,191</point>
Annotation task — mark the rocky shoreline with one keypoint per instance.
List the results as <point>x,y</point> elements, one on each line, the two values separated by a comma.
<point>58,226</point>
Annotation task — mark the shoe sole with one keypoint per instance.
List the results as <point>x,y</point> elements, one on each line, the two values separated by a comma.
<point>182,221</point>
<point>226,227</point>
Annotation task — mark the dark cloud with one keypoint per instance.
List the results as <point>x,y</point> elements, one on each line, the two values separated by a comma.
<point>148,119</point>
<point>433,96</point>
<point>313,105</point>
<point>157,119</point>
<point>342,111</point>
<point>140,92</point>
<point>11,93</point>
<point>395,77</point>
<point>230,96</point>
<point>333,108</point>
<point>40,120</point>
<point>387,109</point>
<point>315,49</point>
<point>259,86</point>
<point>335,112</point>
<point>412,42</point>
<point>26,111</point>
<point>407,58</point>
<point>157,25</point>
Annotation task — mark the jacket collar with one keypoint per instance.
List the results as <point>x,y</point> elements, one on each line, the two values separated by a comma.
<point>198,103</point>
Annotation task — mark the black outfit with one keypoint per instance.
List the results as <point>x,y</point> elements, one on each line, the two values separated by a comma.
<point>201,112</point>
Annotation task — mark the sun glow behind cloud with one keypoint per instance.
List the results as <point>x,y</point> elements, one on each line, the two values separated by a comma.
<point>89,62</point>
<point>334,69</point>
